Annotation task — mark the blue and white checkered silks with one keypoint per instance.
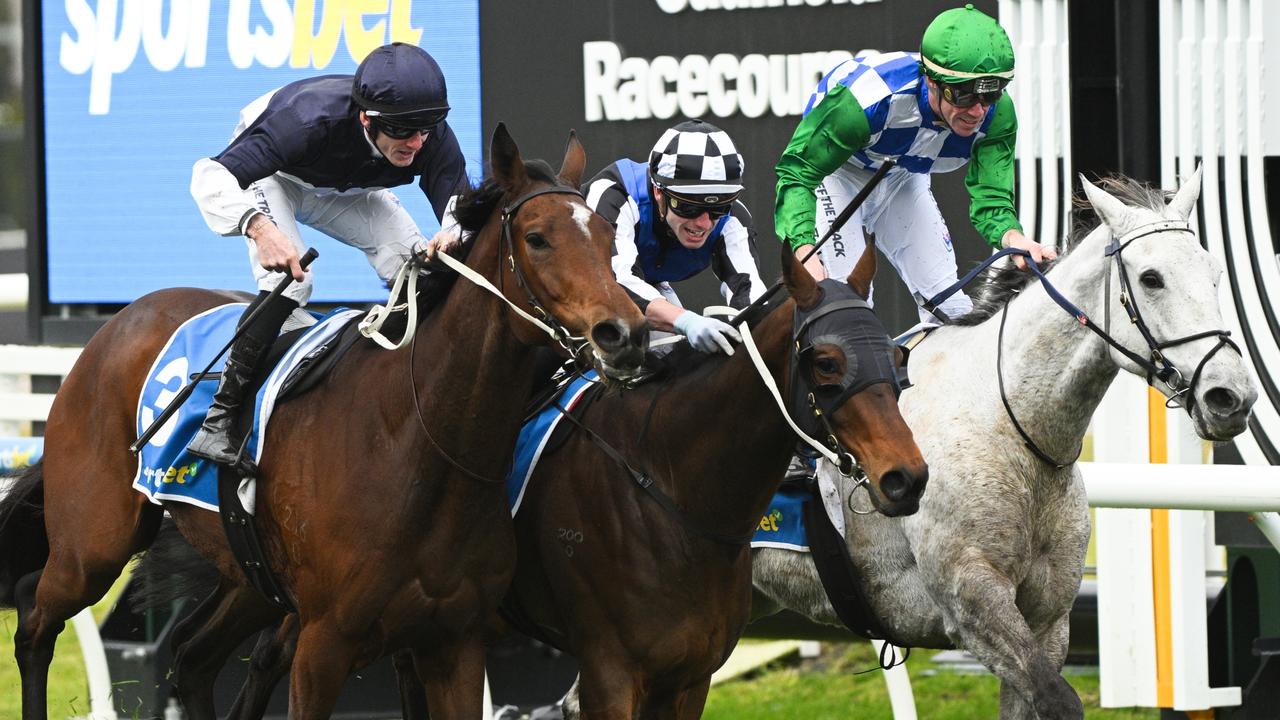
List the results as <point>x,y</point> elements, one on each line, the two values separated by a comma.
<point>893,94</point>
<point>535,434</point>
<point>700,162</point>
<point>166,471</point>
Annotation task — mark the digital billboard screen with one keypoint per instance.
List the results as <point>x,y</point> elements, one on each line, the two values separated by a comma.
<point>135,92</point>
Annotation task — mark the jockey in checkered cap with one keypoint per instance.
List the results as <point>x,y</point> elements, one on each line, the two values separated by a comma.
<point>674,217</point>
<point>932,112</point>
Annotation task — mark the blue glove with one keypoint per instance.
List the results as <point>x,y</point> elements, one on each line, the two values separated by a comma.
<point>706,334</point>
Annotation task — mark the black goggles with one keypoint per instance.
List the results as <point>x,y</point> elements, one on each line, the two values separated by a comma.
<point>406,127</point>
<point>689,209</point>
<point>985,90</point>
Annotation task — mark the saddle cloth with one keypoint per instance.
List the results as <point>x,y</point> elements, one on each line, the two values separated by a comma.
<point>166,471</point>
<point>781,527</point>
<point>537,432</point>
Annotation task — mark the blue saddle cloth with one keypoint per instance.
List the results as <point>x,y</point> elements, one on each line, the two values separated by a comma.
<point>166,471</point>
<point>535,434</point>
<point>781,527</point>
<point>783,523</point>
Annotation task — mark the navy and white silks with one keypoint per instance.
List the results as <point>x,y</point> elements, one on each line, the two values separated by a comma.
<point>300,155</point>
<point>647,257</point>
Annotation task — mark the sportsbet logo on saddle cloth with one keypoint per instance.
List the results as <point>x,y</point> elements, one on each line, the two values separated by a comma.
<point>166,471</point>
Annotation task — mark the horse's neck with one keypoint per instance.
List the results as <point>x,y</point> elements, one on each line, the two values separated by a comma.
<point>473,375</point>
<point>724,443</point>
<point>1055,370</point>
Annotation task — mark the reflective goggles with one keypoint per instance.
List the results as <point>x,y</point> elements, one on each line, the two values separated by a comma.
<point>985,90</point>
<point>689,209</point>
<point>403,128</point>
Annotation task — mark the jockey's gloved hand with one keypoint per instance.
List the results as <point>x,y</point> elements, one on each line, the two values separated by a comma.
<point>707,334</point>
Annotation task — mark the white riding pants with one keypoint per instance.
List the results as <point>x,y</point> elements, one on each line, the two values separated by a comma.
<point>372,220</point>
<point>909,230</point>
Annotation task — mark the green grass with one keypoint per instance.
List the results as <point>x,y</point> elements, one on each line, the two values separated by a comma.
<point>828,687</point>
<point>825,687</point>
<point>68,687</point>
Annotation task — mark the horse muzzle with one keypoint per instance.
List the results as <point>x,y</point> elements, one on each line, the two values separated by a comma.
<point>1221,412</point>
<point>898,491</point>
<point>619,348</point>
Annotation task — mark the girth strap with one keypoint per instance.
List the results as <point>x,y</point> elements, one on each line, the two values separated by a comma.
<point>246,543</point>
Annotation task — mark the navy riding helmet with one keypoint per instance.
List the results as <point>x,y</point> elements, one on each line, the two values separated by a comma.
<point>400,87</point>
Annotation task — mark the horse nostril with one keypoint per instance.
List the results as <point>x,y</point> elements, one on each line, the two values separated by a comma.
<point>895,485</point>
<point>609,335</point>
<point>1222,401</point>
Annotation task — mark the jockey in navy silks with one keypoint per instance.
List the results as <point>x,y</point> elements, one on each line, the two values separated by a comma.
<point>674,217</point>
<point>322,152</point>
<point>933,112</point>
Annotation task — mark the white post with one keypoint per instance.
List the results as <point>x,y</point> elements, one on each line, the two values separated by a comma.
<point>95,666</point>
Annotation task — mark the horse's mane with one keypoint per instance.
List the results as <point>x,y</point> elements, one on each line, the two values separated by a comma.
<point>999,283</point>
<point>477,202</point>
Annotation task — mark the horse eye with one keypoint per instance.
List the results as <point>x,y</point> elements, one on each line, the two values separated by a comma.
<point>1151,280</point>
<point>827,366</point>
<point>535,240</point>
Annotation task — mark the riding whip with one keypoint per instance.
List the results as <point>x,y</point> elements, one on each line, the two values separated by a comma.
<point>838,223</point>
<point>190,387</point>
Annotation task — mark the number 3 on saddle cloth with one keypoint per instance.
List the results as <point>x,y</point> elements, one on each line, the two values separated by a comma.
<point>166,471</point>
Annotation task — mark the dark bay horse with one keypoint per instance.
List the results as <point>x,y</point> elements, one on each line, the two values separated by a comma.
<point>375,503</point>
<point>649,604</point>
<point>652,601</point>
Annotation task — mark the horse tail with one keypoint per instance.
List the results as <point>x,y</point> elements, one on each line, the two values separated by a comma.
<point>24,548</point>
<point>170,570</point>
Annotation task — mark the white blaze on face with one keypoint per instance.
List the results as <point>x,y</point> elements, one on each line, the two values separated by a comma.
<point>582,216</point>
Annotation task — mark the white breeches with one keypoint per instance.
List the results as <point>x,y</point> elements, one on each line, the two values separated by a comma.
<point>909,230</point>
<point>373,221</point>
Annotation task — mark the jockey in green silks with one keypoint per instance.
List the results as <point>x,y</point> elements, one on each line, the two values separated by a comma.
<point>935,111</point>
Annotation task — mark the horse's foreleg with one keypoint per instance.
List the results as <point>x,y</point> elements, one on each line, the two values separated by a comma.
<point>606,690</point>
<point>272,656</point>
<point>206,638</point>
<point>984,619</point>
<point>413,696</point>
<point>1054,640</point>
<point>691,702</point>
<point>454,678</point>
<point>323,660</point>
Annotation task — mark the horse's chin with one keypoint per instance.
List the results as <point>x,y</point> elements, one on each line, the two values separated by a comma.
<point>1218,428</point>
<point>619,369</point>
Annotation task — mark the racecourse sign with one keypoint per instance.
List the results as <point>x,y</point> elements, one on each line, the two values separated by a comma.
<point>619,88</point>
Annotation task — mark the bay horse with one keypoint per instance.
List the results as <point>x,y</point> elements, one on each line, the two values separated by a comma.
<point>376,499</point>
<point>993,560</point>
<point>651,595</point>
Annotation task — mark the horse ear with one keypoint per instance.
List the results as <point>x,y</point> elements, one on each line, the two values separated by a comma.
<point>504,158</point>
<point>1184,202</point>
<point>803,288</point>
<point>865,271</point>
<point>1112,211</point>
<point>575,161</point>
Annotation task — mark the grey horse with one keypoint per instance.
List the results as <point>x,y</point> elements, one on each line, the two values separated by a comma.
<point>992,561</point>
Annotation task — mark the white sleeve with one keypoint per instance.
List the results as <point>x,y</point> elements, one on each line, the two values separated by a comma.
<point>742,262</point>
<point>625,253</point>
<point>226,207</point>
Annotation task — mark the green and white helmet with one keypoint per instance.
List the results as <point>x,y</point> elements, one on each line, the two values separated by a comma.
<point>965,47</point>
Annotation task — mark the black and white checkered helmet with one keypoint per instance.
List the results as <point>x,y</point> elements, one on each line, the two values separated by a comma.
<point>697,158</point>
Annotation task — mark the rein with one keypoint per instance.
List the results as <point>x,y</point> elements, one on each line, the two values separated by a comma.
<point>832,450</point>
<point>1156,366</point>
<point>410,270</point>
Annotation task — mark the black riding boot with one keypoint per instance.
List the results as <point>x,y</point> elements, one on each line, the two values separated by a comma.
<point>215,441</point>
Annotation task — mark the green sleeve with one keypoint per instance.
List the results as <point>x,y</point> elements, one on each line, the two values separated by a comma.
<point>990,176</point>
<point>824,140</point>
